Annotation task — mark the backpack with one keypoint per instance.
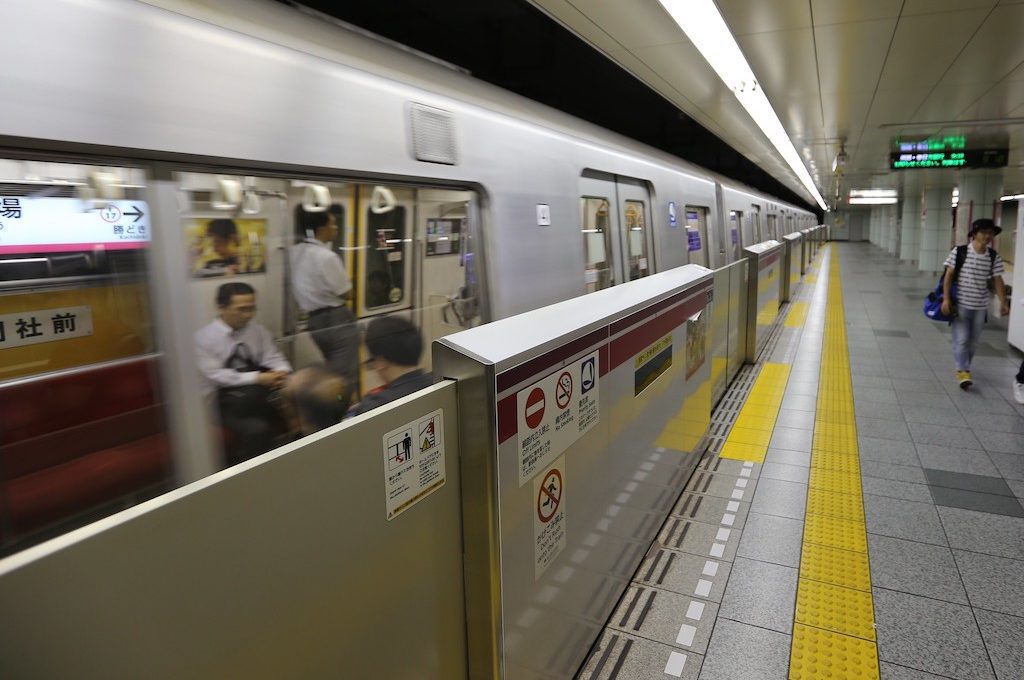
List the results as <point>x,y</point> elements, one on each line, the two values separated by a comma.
<point>933,301</point>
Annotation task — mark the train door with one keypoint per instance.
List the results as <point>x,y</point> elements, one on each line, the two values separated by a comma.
<point>697,235</point>
<point>615,224</point>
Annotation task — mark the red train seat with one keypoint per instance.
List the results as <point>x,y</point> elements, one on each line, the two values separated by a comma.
<point>74,441</point>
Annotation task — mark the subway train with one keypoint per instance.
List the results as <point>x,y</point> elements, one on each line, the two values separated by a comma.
<point>131,129</point>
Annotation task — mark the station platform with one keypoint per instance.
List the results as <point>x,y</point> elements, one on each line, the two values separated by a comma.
<point>857,514</point>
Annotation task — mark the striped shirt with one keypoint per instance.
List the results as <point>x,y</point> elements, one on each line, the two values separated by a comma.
<point>972,286</point>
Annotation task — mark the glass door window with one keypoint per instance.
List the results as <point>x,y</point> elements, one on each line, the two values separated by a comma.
<point>635,226</point>
<point>598,273</point>
<point>697,235</point>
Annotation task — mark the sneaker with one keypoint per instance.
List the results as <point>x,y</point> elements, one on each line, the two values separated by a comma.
<point>1018,392</point>
<point>964,378</point>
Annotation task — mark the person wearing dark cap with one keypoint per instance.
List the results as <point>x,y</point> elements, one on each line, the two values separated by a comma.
<point>973,268</point>
<point>394,346</point>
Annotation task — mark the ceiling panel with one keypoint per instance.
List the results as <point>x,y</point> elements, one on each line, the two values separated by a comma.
<point>844,61</point>
<point>946,103</point>
<point>845,113</point>
<point>568,15</point>
<point>896,105</point>
<point>744,17</point>
<point>631,24</point>
<point>995,50</point>
<point>924,47</point>
<point>915,7</point>
<point>783,61</point>
<point>682,66</point>
<point>1005,96</point>
<point>846,11</point>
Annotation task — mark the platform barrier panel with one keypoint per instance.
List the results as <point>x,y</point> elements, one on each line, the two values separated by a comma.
<point>284,566</point>
<point>587,418</point>
<point>763,293</point>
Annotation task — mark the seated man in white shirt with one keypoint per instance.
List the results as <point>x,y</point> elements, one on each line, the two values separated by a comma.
<point>242,369</point>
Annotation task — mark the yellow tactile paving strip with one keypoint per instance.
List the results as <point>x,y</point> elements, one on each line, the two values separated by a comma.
<point>834,634</point>
<point>797,315</point>
<point>748,439</point>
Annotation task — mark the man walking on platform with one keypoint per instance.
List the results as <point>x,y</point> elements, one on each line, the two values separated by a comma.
<point>972,268</point>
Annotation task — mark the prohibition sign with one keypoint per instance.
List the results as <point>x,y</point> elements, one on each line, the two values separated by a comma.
<point>534,409</point>
<point>550,495</point>
<point>563,390</point>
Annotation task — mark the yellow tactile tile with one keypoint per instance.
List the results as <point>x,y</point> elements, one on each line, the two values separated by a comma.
<point>834,608</point>
<point>797,315</point>
<point>833,565</point>
<point>836,532</point>
<point>742,435</point>
<point>820,653</point>
<point>839,461</point>
<point>827,479</point>
<point>737,451</point>
<point>752,422</point>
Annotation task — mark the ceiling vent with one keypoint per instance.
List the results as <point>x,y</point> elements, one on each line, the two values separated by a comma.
<point>433,134</point>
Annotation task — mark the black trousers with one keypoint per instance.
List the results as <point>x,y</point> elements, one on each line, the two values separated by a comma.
<point>1020,373</point>
<point>337,336</point>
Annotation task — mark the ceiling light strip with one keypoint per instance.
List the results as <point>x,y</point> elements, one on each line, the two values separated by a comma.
<point>703,24</point>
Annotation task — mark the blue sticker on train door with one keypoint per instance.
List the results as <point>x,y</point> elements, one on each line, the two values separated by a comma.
<point>693,239</point>
<point>673,221</point>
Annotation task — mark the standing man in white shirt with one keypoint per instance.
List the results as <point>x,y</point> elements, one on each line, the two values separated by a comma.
<point>321,288</point>
<point>242,368</point>
<point>971,268</point>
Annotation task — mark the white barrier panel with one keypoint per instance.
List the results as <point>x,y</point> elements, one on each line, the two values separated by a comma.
<point>581,422</point>
<point>728,326</point>
<point>285,566</point>
<point>791,264</point>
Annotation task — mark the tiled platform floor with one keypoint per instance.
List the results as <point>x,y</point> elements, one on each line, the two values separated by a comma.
<point>943,484</point>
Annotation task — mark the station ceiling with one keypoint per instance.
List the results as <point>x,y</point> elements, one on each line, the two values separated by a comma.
<point>839,74</point>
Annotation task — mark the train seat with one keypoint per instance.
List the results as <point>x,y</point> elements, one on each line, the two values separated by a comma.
<point>72,442</point>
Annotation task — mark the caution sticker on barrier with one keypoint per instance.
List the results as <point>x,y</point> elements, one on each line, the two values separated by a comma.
<point>554,412</point>
<point>413,462</point>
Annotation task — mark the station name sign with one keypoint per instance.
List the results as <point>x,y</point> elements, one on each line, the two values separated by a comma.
<point>53,225</point>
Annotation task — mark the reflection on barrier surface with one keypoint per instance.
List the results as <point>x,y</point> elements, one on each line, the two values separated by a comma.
<point>763,292</point>
<point>581,421</point>
<point>728,326</point>
<point>284,566</point>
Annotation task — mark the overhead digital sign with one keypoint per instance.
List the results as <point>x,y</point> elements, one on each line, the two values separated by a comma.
<point>949,151</point>
<point>967,158</point>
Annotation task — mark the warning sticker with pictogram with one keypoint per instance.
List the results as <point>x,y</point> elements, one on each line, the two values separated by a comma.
<point>413,462</point>
<point>549,516</point>
<point>553,414</point>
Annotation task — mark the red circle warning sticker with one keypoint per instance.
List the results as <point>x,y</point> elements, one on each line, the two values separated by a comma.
<point>550,495</point>
<point>563,390</point>
<point>534,409</point>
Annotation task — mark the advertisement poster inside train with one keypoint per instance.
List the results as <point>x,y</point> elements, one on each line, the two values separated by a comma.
<point>224,246</point>
<point>554,412</point>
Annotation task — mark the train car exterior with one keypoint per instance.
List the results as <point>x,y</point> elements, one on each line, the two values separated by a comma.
<point>457,203</point>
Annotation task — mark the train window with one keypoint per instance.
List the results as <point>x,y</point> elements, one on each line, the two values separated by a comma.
<point>82,425</point>
<point>697,234</point>
<point>773,228</point>
<point>635,213</point>
<point>758,233</point>
<point>386,257</point>
<point>735,220</point>
<point>597,245</point>
<point>317,268</point>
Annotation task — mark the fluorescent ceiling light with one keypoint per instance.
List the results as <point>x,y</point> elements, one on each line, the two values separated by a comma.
<point>873,201</point>
<point>1015,197</point>
<point>873,193</point>
<point>703,24</point>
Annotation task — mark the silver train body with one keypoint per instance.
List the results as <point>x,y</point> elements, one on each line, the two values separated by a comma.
<point>180,95</point>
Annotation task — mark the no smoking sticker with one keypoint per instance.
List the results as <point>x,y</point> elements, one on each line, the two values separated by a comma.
<point>548,516</point>
<point>554,412</point>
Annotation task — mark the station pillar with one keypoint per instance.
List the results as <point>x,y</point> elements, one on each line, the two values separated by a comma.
<point>892,229</point>
<point>936,221</point>
<point>979,197</point>
<point>910,224</point>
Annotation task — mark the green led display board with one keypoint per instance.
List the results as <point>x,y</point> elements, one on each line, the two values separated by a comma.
<point>945,157</point>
